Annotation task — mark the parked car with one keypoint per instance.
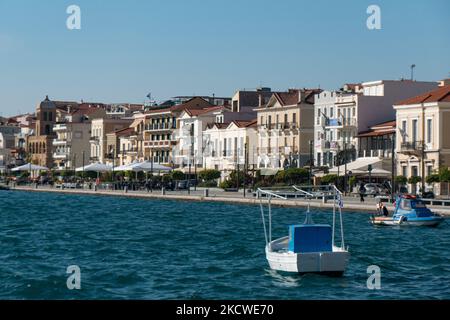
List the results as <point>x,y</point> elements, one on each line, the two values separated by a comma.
<point>427,195</point>
<point>182,185</point>
<point>372,189</point>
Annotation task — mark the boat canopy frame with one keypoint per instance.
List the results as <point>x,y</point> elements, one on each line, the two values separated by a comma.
<point>269,194</point>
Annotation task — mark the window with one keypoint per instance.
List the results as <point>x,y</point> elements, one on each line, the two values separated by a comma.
<point>429,170</point>
<point>414,130</point>
<point>414,171</point>
<point>318,159</point>
<point>294,117</point>
<point>404,171</point>
<point>331,112</point>
<point>429,130</point>
<point>262,120</point>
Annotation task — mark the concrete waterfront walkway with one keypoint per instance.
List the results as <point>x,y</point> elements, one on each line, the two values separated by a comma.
<point>218,195</point>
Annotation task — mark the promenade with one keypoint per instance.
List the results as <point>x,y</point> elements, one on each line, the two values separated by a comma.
<point>218,195</point>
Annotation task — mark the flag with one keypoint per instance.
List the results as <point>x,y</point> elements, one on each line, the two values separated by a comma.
<point>340,201</point>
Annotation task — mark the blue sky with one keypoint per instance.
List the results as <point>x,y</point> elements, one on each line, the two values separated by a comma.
<point>126,49</point>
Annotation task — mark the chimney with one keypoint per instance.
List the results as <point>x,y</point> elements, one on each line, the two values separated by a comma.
<point>299,95</point>
<point>260,97</point>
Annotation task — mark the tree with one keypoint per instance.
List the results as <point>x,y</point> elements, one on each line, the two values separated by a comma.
<point>329,178</point>
<point>177,175</point>
<point>432,179</point>
<point>296,175</point>
<point>414,180</point>
<point>401,180</point>
<point>209,174</point>
<point>444,176</point>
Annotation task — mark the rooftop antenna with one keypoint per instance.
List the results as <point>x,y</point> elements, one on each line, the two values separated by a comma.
<point>412,71</point>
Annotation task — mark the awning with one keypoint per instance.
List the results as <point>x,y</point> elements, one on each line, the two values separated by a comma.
<point>361,166</point>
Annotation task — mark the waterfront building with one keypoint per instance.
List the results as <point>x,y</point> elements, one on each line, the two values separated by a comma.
<point>71,147</point>
<point>341,115</point>
<point>285,129</point>
<point>7,144</point>
<point>191,145</point>
<point>159,127</point>
<point>98,141</point>
<point>213,100</point>
<point>378,141</point>
<point>39,145</point>
<point>423,136</point>
<point>226,145</point>
<point>245,101</point>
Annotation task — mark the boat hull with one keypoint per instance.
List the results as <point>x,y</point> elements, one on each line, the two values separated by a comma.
<point>331,263</point>
<point>428,222</point>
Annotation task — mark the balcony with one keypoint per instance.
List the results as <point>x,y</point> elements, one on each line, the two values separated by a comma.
<point>58,142</point>
<point>159,144</point>
<point>159,127</point>
<point>94,140</point>
<point>412,148</point>
<point>340,122</point>
<point>60,127</point>
<point>160,159</point>
<point>60,155</point>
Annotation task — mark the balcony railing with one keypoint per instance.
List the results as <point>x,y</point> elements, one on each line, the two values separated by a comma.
<point>159,144</point>
<point>160,159</point>
<point>339,122</point>
<point>279,126</point>
<point>159,126</point>
<point>411,147</point>
<point>94,139</point>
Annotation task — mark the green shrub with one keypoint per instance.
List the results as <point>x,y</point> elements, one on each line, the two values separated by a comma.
<point>433,178</point>
<point>414,180</point>
<point>329,178</point>
<point>177,175</point>
<point>209,174</point>
<point>401,180</point>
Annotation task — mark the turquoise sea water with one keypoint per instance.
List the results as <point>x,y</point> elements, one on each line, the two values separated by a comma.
<point>158,249</point>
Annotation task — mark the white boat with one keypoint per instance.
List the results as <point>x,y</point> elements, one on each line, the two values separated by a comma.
<point>310,247</point>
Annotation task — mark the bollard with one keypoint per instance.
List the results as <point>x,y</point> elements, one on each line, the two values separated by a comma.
<point>163,191</point>
<point>95,188</point>
<point>206,193</point>
<point>324,199</point>
<point>125,189</point>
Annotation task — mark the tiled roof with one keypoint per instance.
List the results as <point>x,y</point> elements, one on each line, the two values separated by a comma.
<point>245,124</point>
<point>197,112</point>
<point>438,95</point>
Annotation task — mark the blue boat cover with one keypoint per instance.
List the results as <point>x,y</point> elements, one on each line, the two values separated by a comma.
<point>310,238</point>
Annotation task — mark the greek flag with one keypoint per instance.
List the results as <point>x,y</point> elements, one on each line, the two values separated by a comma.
<point>339,200</point>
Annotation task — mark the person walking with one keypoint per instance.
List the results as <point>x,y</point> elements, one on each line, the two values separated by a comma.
<point>362,191</point>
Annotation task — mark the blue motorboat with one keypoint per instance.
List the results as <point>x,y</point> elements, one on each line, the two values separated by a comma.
<point>409,211</point>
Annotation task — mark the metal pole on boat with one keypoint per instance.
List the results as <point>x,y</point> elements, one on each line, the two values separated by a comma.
<point>263,219</point>
<point>342,228</point>
<point>334,216</point>
<point>270,219</point>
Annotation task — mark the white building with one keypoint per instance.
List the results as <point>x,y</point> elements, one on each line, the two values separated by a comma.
<point>227,143</point>
<point>191,124</point>
<point>341,115</point>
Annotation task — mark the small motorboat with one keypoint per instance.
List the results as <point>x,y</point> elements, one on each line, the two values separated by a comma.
<point>309,248</point>
<point>409,211</point>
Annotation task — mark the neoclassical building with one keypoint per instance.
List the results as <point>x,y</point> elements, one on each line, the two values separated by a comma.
<point>286,129</point>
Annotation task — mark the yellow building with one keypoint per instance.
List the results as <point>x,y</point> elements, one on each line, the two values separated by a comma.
<point>423,136</point>
<point>286,129</point>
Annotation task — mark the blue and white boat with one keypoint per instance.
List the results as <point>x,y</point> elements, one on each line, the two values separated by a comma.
<point>409,211</point>
<point>309,247</point>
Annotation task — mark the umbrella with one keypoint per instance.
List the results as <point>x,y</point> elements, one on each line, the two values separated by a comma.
<point>29,167</point>
<point>143,166</point>
<point>97,167</point>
